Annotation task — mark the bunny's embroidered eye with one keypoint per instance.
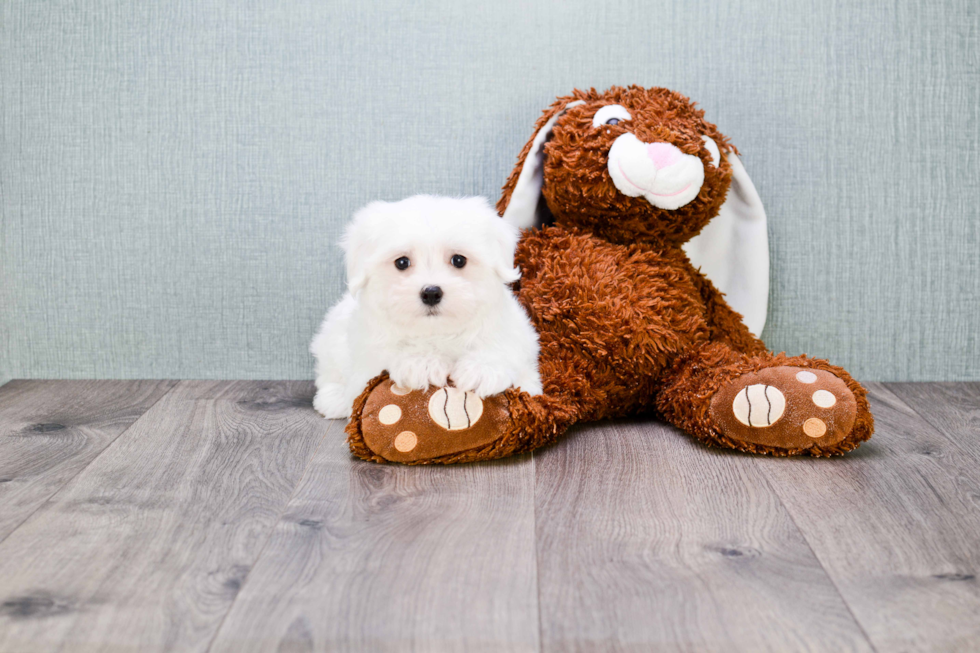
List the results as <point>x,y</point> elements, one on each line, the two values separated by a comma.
<point>402,262</point>
<point>712,148</point>
<point>611,114</point>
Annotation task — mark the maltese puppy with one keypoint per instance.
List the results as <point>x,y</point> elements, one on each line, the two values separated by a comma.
<point>428,300</point>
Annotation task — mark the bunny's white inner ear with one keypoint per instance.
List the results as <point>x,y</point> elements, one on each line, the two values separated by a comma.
<point>733,250</point>
<point>522,210</point>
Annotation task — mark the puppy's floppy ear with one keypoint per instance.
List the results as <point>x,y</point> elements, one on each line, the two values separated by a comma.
<point>733,249</point>
<point>501,241</point>
<point>522,192</point>
<point>505,237</point>
<point>356,243</point>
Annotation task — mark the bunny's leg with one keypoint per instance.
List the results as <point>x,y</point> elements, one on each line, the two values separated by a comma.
<point>765,403</point>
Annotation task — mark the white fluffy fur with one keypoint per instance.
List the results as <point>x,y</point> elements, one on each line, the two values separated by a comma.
<point>478,335</point>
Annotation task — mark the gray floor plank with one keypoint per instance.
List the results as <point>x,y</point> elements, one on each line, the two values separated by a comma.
<point>147,547</point>
<point>953,408</point>
<point>50,430</point>
<point>391,558</point>
<point>897,526</point>
<point>648,541</point>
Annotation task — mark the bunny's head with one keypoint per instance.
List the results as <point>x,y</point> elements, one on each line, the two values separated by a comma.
<point>642,165</point>
<point>630,165</point>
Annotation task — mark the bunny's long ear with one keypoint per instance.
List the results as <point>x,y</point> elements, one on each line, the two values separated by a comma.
<point>733,249</point>
<point>521,194</point>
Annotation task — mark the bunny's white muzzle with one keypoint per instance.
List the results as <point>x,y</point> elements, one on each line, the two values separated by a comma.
<point>659,172</point>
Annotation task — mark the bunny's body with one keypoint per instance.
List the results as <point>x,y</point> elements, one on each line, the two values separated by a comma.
<point>646,300</point>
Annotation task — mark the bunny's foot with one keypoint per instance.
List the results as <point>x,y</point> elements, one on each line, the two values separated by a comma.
<point>444,425</point>
<point>785,407</point>
<point>768,403</point>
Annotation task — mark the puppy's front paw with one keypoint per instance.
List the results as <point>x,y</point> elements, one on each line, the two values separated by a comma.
<point>330,402</point>
<point>481,378</point>
<point>531,384</point>
<point>419,373</point>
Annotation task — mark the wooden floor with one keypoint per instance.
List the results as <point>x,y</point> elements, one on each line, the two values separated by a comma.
<point>227,516</point>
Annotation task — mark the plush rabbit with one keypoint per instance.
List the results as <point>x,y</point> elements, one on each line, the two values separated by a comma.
<point>627,323</point>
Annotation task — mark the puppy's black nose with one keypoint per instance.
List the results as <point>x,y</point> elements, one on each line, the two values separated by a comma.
<point>431,295</point>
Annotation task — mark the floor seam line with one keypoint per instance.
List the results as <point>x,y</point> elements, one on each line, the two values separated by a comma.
<point>126,430</point>
<point>826,571</point>
<point>537,566</point>
<point>935,427</point>
<point>272,532</point>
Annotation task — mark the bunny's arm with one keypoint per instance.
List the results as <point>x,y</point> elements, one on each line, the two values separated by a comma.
<point>725,324</point>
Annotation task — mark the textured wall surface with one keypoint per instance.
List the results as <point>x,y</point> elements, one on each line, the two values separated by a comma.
<point>174,174</point>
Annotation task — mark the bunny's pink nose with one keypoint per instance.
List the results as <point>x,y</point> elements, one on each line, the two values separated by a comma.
<point>663,154</point>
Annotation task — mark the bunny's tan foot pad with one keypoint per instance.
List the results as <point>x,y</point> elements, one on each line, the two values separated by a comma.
<point>791,408</point>
<point>409,426</point>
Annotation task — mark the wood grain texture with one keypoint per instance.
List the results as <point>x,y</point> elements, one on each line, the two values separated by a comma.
<point>952,408</point>
<point>230,516</point>
<point>896,524</point>
<point>50,430</point>
<point>649,541</point>
<point>389,558</point>
<point>147,548</point>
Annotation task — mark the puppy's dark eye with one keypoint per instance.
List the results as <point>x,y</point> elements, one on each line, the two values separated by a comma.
<point>458,260</point>
<point>402,263</point>
<point>612,121</point>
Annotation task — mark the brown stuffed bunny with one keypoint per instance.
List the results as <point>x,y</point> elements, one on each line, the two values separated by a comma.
<point>627,324</point>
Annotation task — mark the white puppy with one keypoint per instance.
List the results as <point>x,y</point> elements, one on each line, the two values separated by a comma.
<point>428,301</point>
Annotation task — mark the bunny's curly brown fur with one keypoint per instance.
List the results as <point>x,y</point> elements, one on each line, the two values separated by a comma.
<point>626,323</point>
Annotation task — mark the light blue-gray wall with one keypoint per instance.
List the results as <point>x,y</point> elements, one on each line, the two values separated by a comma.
<point>174,174</point>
